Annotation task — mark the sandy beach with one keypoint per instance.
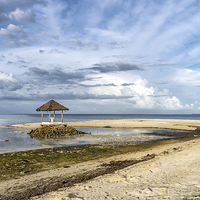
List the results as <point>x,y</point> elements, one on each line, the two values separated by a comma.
<point>126,123</point>
<point>173,173</point>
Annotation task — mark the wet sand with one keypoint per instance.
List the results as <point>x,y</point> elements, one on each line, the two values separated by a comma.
<point>126,123</point>
<point>173,174</point>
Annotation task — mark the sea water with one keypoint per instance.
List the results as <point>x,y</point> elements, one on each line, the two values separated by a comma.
<point>12,140</point>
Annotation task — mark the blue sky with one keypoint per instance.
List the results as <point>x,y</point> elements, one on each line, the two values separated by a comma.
<point>116,56</point>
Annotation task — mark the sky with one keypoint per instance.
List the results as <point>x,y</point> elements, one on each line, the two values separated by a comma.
<point>100,57</point>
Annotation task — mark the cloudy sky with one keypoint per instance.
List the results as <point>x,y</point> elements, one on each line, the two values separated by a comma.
<point>102,56</point>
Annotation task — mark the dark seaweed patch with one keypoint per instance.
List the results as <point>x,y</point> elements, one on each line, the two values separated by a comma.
<point>173,133</point>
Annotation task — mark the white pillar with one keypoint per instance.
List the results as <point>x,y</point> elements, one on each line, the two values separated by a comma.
<point>49,116</point>
<point>42,116</point>
<point>62,117</point>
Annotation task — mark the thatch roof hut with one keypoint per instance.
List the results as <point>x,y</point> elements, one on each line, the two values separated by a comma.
<point>52,106</point>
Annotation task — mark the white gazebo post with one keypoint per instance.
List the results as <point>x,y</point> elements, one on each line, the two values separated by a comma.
<point>49,116</point>
<point>62,116</point>
<point>42,116</point>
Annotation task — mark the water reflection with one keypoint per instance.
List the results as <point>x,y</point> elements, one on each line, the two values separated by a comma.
<point>14,140</point>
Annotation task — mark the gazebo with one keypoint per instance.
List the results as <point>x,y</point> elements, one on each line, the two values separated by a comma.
<point>52,106</point>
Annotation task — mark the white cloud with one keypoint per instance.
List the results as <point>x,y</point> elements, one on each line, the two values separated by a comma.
<point>189,106</point>
<point>14,36</point>
<point>149,98</point>
<point>23,15</point>
<point>187,77</point>
<point>136,91</point>
<point>9,82</point>
<point>172,103</point>
<point>13,29</point>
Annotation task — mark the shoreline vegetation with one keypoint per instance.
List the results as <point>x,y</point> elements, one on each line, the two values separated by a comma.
<point>47,170</point>
<point>18,164</point>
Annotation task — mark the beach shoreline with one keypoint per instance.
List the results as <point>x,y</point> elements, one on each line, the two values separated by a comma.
<point>124,123</point>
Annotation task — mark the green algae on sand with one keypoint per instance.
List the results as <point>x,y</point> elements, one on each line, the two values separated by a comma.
<point>16,165</point>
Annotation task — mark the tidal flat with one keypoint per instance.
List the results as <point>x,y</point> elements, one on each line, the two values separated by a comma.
<point>18,164</point>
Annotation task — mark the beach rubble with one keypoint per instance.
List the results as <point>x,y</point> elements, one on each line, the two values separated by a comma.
<point>54,131</point>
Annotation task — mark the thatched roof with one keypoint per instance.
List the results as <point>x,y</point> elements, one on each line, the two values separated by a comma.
<point>51,105</point>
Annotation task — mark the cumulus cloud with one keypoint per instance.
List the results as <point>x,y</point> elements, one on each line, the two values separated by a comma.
<point>14,29</point>
<point>145,97</point>
<point>23,15</point>
<point>9,82</point>
<point>114,67</point>
<point>135,91</point>
<point>14,36</point>
<point>172,103</point>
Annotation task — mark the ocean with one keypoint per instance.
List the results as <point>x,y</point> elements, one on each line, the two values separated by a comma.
<point>13,140</point>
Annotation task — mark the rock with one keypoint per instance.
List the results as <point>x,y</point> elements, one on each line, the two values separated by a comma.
<point>197,129</point>
<point>54,131</point>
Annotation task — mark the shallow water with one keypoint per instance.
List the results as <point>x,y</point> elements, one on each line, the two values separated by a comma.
<point>19,140</point>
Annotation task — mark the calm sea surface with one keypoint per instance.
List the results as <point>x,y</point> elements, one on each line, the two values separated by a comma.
<point>12,140</point>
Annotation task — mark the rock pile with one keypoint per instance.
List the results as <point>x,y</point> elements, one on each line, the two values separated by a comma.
<point>197,129</point>
<point>54,131</point>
